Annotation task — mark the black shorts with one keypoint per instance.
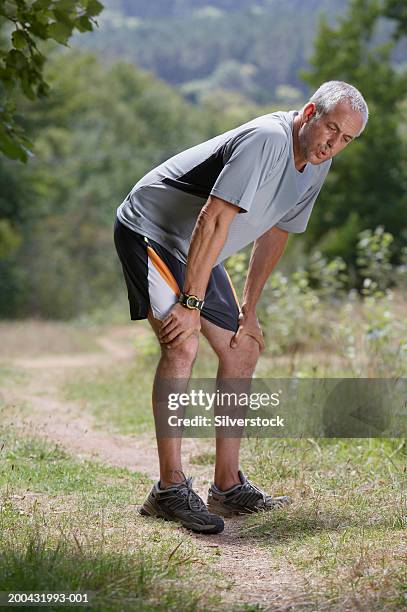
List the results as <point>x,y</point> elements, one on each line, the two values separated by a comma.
<point>155,278</point>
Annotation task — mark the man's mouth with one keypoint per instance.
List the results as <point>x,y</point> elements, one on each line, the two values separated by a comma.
<point>321,154</point>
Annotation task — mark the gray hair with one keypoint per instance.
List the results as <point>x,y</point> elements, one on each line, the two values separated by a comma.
<point>332,92</point>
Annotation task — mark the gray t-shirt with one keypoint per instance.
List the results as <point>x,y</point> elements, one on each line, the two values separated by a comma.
<point>251,166</point>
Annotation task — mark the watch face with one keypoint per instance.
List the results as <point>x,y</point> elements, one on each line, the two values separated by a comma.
<point>191,302</point>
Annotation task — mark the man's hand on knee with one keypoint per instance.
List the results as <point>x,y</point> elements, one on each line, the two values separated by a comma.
<point>178,325</point>
<point>248,326</point>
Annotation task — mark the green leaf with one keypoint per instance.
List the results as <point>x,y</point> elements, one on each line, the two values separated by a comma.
<point>27,88</point>
<point>83,24</point>
<point>42,17</point>
<point>39,28</point>
<point>19,39</point>
<point>17,60</point>
<point>38,59</point>
<point>41,4</point>
<point>10,239</point>
<point>94,7</point>
<point>65,17</point>
<point>11,147</point>
<point>42,89</point>
<point>8,10</point>
<point>8,83</point>
<point>59,32</point>
<point>66,5</point>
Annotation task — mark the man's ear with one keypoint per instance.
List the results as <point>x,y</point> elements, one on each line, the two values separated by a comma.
<point>308,111</point>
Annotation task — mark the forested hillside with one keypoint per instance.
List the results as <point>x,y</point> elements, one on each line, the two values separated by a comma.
<point>179,8</point>
<point>254,48</point>
<point>251,49</point>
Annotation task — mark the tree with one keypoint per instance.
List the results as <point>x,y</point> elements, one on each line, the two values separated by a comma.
<point>365,187</point>
<point>100,129</point>
<point>397,10</point>
<point>26,24</point>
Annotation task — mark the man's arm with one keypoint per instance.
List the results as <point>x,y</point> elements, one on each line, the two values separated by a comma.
<point>265,255</point>
<point>207,240</point>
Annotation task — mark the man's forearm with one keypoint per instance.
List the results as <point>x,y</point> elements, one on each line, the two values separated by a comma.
<point>265,255</point>
<point>207,240</point>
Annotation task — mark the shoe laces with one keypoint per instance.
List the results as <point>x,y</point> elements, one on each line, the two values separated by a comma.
<point>184,488</point>
<point>252,488</point>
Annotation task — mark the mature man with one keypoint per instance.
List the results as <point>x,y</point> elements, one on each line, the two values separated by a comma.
<point>257,182</point>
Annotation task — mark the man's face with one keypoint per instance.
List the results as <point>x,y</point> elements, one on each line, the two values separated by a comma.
<point>323,138</point>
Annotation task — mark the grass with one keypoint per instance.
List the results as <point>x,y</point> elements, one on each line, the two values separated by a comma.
<point>47,468</point>
<point>344,534</point>
<point>69,525</point>
<point>120,398</point>
<point>74,520</point>
<point>10,374</point>
<point>346,530</point>
<point>204,458</point>
<point>30,338</point>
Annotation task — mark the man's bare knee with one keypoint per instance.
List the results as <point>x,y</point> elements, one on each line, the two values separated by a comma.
<point>185,352</point>
<point>243,358</point>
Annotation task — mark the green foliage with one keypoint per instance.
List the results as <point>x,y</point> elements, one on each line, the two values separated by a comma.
<point>401,270</point>
<point>22,61</point>
<point>9,239</point>
<point>370,334</point>
<point>397,10</point>
<point>381,335</point>
<point>290,311</point>
<point>314,307</point>
<point>384,337</point>
<point>99,131</point>
<point>373,259</point>
<point>366,183</point>
<point>329,276</point>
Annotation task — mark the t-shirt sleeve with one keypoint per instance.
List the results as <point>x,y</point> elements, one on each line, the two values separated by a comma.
<point>296,220</point>
<point>249,159</point>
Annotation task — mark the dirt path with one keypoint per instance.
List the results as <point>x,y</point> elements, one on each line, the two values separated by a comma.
<point>245,564</point>
<point>66,424</point>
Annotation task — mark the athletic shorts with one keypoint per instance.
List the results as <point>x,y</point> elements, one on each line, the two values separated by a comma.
<point>155,278</point>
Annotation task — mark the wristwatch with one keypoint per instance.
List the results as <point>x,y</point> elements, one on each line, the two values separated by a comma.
<point>190,301</point>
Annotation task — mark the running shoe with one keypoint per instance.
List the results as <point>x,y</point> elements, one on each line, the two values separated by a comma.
<point>180,503</point>
<point>244,498</point>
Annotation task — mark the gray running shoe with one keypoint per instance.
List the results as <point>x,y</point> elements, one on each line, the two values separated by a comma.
<point>180,503</point>
<point>244,498</point>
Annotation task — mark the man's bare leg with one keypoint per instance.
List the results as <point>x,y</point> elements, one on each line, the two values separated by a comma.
<point>174,363</point>
<point>239,362</point>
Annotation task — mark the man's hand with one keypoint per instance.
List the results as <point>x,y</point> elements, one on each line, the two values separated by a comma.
<point>178,325</point>
<point>248,326</point>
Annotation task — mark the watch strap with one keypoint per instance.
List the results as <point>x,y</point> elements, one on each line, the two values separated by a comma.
<point>191,301</point>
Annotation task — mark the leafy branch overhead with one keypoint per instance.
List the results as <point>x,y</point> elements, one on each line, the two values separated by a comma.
<point>397,10</point>
<point>26,23</point>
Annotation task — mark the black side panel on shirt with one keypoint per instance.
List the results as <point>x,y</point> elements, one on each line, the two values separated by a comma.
<point>200,179</point>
